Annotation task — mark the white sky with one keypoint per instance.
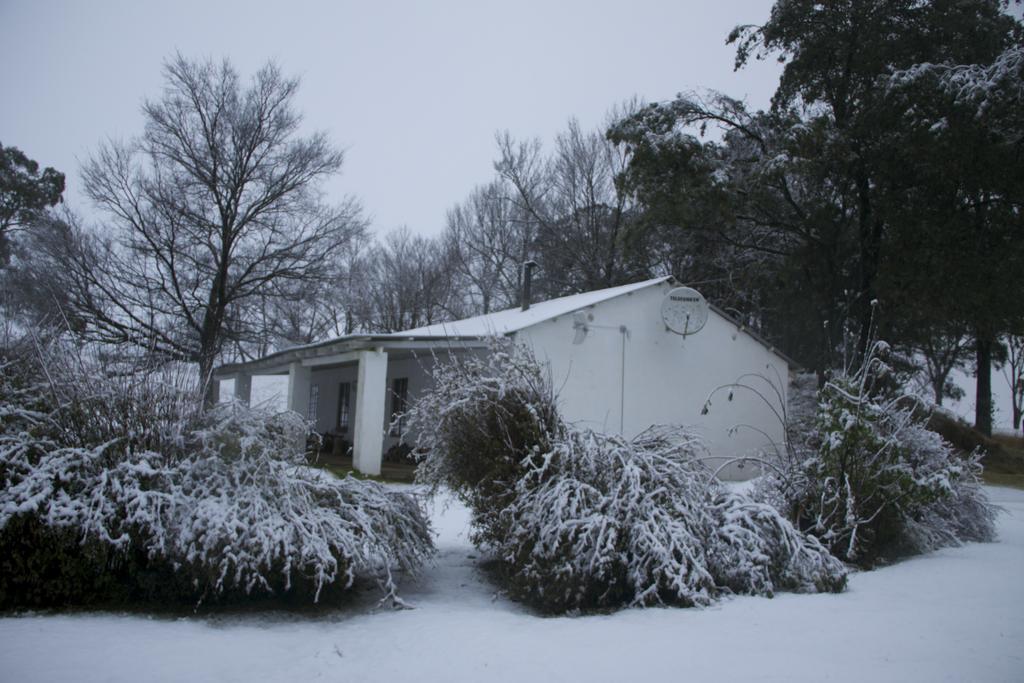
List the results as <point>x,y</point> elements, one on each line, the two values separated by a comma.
<point>413,91</point>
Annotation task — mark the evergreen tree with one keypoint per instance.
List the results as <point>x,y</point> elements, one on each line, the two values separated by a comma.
<point>827,187</point>
<point>25,193</point>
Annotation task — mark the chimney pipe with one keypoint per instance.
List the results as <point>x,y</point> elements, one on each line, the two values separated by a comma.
<point>527,282</point>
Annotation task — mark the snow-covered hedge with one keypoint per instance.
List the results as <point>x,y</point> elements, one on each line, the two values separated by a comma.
<point>581,520</point>
<point>865,475</point>
<point>118,489</point>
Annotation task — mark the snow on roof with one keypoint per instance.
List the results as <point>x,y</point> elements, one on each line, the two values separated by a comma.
<point>489,325</point>
<point>515,319</point>
<point>478,327</point>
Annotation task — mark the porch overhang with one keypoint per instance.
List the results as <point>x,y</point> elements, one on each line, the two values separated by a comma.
<point>342,351</point>
<point>370,354</point>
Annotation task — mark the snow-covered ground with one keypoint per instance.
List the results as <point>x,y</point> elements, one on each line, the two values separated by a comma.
<point>953,615</point>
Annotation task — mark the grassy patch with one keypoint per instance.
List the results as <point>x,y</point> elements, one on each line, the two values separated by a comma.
<point>342,471</point>
<point>1004,479</point>
<point>387,476</point>
<point>1012,441</point>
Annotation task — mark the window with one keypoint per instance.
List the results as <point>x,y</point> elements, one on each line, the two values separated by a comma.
<point>344,407</point>
<point>314,398</point>
<point>399,401</point>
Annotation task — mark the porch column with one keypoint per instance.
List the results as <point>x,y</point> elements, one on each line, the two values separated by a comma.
<point>371,391</point>
<point>243,387</point>
<point>298,388</point>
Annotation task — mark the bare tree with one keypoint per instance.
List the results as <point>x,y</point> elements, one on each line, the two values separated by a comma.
<point>591,213</point>
<point>214,210</point>
<point>351,280</point>
<point>944,347</point>
<point>524,175</point>
<point>293,312</point>
<point>407,284</point>
<point>579,215</point>
<point>1013,372</point>
<point>484,242</point>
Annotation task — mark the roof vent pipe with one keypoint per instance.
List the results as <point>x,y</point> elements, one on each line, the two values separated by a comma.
<point>527,282</point>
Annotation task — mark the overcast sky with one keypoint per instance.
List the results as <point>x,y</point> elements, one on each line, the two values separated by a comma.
<point>413,91</point>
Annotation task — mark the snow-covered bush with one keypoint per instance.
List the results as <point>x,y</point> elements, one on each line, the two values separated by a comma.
<point>582,520</point>
<point>869,479</point>
<point>757,550</point>
<point>482,418</point>
<point>118,489</point>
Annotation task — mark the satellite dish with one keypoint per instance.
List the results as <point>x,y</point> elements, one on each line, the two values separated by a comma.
<point>684,311</point>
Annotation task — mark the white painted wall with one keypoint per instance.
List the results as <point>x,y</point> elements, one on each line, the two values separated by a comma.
<point>667,377</point>
<point>328,380</point>
<point>416,369</point>
<point>371,391</point>
<point>299,383</point>
<point>268,391</point>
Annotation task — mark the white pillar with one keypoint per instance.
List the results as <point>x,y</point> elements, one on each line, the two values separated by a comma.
<point>243,387</point>
<point>298,388</point>
<point>371,393</point>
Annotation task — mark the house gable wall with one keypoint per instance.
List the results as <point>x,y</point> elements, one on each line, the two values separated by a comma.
<point>658,377</point>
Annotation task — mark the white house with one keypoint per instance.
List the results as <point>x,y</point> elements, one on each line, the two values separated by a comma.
<point>615,360</point>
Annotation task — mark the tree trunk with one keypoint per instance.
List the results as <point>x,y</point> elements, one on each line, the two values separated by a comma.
<point>209,350</point>
<point>939,372</point>
<point>209,383</point>
<point>1017,400</point>
<point>983,395</point>
<point>870,238</point>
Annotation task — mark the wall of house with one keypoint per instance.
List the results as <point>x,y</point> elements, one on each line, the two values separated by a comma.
<point>624,383</point>
<point>327,380</point>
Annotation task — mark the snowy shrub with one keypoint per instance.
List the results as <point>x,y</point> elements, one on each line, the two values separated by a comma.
<point>581,520</point>
<point>756,550</point>
<point>599,521</point>
<point>869,479</point>
<point>482,418</point>
<point>118,489</point>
